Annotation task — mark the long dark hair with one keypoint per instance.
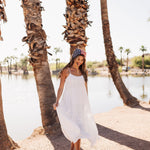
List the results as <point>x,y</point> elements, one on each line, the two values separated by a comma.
<point>82,67</point>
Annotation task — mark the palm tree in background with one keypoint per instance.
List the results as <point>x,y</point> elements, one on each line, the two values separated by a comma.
<point>7,60</point>
<point>128,99</point>
<point>36,39</point>
<point>143,49</point>
<point>128,51</point>
<point>15,63</point>
<point>24,62</point>
<point>76,23</point>
<point>57,60</point>
<point>12,58</point>
<point>121,50</point>
<point>6,143</point>
<point>1,70</point>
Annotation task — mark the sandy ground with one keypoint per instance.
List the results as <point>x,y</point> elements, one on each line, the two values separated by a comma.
<point>122,128</point>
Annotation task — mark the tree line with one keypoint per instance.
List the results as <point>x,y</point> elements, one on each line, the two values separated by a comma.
<point>14,64</point>
<point>136,62</point>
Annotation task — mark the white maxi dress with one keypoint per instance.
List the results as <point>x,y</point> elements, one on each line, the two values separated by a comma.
<point>74,112</point>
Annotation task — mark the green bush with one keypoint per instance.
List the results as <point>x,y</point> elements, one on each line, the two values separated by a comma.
<point>94,64</point>
<point>89,64</point>
<point>137,61</point>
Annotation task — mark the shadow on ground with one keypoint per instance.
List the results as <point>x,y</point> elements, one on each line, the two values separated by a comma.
<point>123,139</point>
<point>142,107</point>
<point>59,142</point>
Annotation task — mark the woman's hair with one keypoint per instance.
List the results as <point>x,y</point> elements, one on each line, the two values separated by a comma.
<point>82,67</point>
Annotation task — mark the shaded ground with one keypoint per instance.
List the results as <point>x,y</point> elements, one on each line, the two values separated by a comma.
<point>122,128</point>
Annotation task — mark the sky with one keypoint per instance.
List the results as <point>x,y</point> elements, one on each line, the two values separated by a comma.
<point>128,24</point>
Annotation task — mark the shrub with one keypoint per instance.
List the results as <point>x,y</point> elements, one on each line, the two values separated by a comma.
<point>137,61</point>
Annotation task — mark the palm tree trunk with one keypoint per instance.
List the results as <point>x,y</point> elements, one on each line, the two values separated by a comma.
<point>127,64</point>
<point>76,23</point>
<point>6,143</point>
<point>128,99</point>
<point>121,60</point>
<point>8,68</point>
<point>1,69</point>
<point>143,62</point>
<point>36,39</point>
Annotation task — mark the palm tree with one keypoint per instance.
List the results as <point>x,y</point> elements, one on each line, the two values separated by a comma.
<point>143,49</point>
<point>121,50</point>
<point>6,143</point>
<point>24,63</point>
<point>76,23</point>
<point>36,39</point>
<point>2,15</point>
<point>128,99</point>
<point>56,51</point>
<point>15,63</point>
<point>1,70</point>
<point>7,60</point>
<point>12,58</point>
<point>128,51</point>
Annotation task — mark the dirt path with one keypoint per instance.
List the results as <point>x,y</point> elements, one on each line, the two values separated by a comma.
<point>122,128</point>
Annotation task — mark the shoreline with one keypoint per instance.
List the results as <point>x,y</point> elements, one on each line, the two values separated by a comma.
<point>98,72</point>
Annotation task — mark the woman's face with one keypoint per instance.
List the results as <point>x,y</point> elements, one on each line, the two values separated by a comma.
<point>79,60</point>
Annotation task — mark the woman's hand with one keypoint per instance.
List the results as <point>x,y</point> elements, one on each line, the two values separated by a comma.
<point>55,105</point>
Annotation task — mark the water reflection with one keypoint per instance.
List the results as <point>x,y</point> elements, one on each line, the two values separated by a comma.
<point>21,104</point>
<point>17,76</point>
<point>109,87</point>
<point>144,95</point>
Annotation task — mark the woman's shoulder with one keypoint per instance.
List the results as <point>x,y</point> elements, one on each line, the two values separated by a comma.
<point>65,72</point>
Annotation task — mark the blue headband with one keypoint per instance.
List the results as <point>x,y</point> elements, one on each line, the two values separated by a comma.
<point>78,52</point>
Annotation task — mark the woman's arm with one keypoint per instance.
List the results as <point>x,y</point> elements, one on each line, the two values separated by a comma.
<point>61,87</point>
<point>86,87</point>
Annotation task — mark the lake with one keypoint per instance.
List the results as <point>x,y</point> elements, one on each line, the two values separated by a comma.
<point>21,104</point>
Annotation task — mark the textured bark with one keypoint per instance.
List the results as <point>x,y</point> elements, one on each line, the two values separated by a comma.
<point>6,143</point>
<point>121,60</point>
<point>2,14</point>
<point>76,23</point>
<point>143,62</point>
<point>36,39</point>
<point>127,63</point>
<point>128,99</point>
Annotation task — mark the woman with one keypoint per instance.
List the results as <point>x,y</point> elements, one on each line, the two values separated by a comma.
<point>74,109</point>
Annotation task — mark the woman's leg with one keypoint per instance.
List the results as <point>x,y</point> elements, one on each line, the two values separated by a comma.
<point>77,145</point>
<point>72,146</point>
